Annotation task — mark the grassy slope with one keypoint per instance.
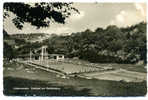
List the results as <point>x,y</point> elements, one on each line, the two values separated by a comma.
<point>68,87</point>
<point>130,67</point>
<point>83,88</point>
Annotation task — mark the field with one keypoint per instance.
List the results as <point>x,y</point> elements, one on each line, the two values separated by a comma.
<point>92,70</point>
<point>118,75</point>
<point>68,68</point>
<point>21,75</point>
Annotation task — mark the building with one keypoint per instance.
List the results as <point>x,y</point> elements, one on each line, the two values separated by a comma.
<point>57,57</point>
<point>43,55</point>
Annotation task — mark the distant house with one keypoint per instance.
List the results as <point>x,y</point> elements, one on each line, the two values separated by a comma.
<point>43,55</point>
<point>58,57</point>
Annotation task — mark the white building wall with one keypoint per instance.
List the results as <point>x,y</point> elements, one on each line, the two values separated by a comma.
<point>60,58</point>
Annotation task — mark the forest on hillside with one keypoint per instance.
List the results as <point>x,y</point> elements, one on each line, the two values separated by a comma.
<point>109,45</point>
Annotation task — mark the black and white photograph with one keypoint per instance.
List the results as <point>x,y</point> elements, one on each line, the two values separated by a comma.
<point>89,49</point>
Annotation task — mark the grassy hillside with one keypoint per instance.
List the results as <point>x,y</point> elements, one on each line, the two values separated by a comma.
<point>22,76</point>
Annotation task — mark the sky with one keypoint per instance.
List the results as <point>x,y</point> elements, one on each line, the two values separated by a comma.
<point>92,16</point>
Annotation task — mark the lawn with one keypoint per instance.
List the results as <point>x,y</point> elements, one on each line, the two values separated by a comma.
<point>20,75</point>
<point>81,87</point>
<point>68,68</point>
<point>130,67</point>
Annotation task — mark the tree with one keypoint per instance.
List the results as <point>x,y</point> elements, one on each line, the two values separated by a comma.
<point>38,14</point>
<point>5,34</point>
<point>8,52</point>
<point>136,42</point>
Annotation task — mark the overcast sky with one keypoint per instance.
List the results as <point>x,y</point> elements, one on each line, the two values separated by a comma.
<point>92,15</point>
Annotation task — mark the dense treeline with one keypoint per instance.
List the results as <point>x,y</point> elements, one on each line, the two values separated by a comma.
<point>110,45</point>
<point>113,44</point>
